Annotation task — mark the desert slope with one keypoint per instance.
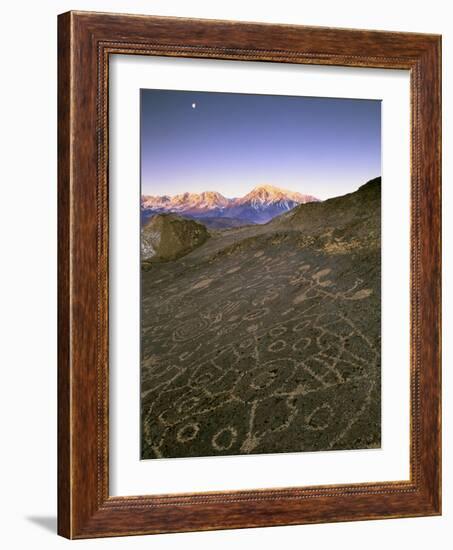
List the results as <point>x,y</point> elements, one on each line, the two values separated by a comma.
<point>267,338</point>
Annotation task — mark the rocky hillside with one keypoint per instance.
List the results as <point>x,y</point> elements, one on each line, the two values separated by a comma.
<point>341,221</point>
<point>167,237</point>
<point>266,338</point>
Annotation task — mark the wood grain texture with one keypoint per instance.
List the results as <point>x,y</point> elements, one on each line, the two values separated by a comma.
<point>86,40</point>
<point>64,367</point>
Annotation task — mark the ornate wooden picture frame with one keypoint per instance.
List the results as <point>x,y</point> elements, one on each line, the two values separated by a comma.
<point>85,42</point>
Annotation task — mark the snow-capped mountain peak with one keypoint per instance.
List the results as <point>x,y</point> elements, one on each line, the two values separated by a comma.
<point>260,205</point>
<point>269,194</point>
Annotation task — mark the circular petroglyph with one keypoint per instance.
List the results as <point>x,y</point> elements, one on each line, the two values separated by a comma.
<point>204,374</point>
<point>190,329</point>
<point>277,331</point>
<point>187,432</point>
<point>224,439</point>
<point>204,378</point>
<point>276,346</point>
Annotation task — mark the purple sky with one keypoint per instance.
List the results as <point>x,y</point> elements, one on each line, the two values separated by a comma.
<point>233,142</point>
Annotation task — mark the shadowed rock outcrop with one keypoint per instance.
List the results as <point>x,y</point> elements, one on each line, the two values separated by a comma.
<point>167,237</point>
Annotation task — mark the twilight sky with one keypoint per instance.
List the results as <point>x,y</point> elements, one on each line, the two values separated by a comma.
<point>209,141</point>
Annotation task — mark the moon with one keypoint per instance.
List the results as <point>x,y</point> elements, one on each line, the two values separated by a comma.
<point>194,105</point>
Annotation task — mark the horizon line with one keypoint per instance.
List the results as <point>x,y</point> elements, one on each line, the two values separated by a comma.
<point>252,189</point>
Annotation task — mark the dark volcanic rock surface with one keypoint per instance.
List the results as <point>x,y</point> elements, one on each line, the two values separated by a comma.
<point>267,338</point>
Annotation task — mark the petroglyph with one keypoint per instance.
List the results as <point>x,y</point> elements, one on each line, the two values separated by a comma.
<point>245,374</point>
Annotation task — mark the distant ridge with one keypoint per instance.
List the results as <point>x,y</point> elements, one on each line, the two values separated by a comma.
<point>258,206</point>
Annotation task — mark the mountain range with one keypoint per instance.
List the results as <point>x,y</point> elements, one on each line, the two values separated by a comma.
<point>216,211</point>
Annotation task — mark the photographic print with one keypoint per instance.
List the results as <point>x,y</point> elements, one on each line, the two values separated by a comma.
<point>260,274</point>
